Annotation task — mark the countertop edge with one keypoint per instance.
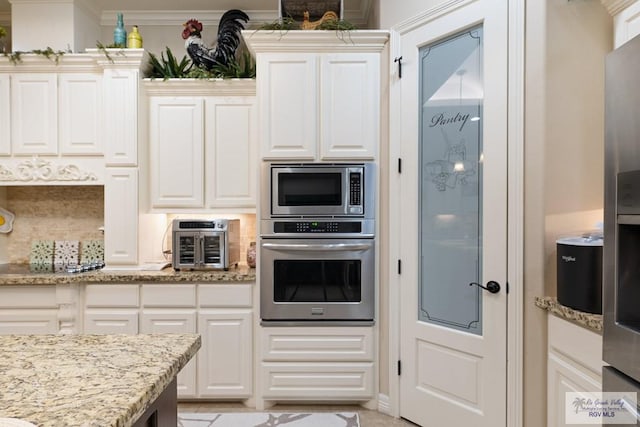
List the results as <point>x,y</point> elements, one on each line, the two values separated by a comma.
<point>168,275</point>
<point>590,321</point>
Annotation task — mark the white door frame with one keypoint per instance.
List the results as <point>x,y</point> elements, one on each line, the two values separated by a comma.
<point>515,207</point>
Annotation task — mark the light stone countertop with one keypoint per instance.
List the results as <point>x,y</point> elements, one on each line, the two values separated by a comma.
<point>88,380</point>
<point>167,275</point>
<point>587,320</point>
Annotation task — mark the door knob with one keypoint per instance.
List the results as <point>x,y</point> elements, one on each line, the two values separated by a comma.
<point>492,286</point>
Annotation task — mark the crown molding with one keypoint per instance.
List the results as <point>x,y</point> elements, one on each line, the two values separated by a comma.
<point>175,18</point>
<point>616,6</point>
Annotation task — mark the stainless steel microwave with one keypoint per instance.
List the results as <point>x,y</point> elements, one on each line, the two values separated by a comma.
<point>318,190</point>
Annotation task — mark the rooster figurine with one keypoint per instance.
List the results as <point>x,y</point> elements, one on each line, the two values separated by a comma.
<point>231,23</point>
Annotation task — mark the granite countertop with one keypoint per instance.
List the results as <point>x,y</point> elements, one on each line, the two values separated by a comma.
<point>20,275</point>
<point>96,380</point>
<point>588,320</point>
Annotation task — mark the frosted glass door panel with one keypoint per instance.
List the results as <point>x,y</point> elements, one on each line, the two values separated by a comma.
<point>451,96</point>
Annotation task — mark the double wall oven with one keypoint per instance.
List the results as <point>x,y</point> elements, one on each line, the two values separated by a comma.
<point>317,243</point>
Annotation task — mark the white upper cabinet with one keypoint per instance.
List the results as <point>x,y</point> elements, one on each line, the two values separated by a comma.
<point>230,151</point>
<point>202,145</point>
<point>80,117</point>
<point>288,95</point>
<point>350,105</point>
<point>5,115</point>
<point>121,111</point>
<point>34,118</point>
<point>177,152</point>
<point>319,94</point>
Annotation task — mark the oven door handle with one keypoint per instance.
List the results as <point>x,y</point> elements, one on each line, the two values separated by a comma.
<point>318,247</point>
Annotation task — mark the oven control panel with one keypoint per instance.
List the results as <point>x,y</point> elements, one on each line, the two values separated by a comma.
<point>317,227</point>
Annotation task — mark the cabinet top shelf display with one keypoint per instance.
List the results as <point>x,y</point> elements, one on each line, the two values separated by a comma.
<point>330,41</point>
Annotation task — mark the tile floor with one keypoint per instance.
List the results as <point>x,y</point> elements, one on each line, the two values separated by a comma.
<point>368,418</point>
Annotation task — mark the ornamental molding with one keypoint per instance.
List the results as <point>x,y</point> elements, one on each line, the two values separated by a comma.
<point>44,170</point>
<point>616,6</point>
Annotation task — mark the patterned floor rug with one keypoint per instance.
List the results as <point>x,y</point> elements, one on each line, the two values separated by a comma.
<point>269,419</point>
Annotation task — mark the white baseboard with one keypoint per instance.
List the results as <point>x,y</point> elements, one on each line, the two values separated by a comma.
<point>384,404</point>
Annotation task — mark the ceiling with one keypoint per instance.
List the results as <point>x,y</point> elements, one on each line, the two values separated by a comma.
<point>158,11</point>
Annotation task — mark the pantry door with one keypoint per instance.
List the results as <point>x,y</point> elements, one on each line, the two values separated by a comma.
<point>453,194</point>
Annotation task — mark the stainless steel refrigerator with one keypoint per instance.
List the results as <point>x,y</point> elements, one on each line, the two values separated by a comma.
<point>621,267</point>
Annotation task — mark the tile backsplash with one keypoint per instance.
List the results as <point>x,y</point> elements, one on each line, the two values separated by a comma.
<point>52,213</point>
<point>75,213</point>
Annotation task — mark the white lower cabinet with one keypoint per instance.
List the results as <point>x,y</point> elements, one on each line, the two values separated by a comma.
<point>111,309</point>
<point>574,365</point>
<point>317,363</point>
<point>28,310</point>
<point>171,309</point>
<point>221,313</point>
<point>225,322</point>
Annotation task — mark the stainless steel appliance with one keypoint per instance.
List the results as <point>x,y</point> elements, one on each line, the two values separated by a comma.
<point>621,272</point>
<point>205,244</point>
<point>317,190</point>
<point>317,244</point>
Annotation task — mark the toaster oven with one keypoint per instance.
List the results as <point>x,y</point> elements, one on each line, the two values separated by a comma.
<point>205,244</point>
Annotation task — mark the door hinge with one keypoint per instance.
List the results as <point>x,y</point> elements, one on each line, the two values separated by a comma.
<point>399,367</point>
<point>399,266</point>
<point>399,165</point>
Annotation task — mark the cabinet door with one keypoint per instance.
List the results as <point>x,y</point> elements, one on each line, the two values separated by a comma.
<point>121,223</point>
<point>171,321</point>
<point>177,152</point>
<point>34,118</point>
<point>231,139</point>
<point>5,115</point>
<point>80,114</point>
<point>626,24</point>
<point>121,113</point>
<point>225,361</point>
<point>288,95</point>
<point>350,105</point>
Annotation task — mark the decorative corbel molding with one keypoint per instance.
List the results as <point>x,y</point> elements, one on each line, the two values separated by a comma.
<point>44,170</point>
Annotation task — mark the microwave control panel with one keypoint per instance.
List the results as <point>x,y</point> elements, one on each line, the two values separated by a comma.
<point>355,179</point>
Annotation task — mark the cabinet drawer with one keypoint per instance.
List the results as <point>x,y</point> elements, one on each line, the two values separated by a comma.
<point>28,322</point>
<point>112,296</point>
<point>168,295</point>
<point>324,381</point>
<point>225,296</point>
<point>111,322</point>
<point>317,344</point>
<point>28,297</point>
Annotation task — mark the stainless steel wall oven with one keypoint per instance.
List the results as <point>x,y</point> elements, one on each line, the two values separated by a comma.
<point>317,256</point>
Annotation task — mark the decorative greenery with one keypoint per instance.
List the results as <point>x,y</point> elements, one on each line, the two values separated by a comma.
<point>337,25</point>
<point>168,68</point>
<point>171,68</point>
<point>3,32</point>
<point>102,48</point>
<point>283,24</point>
<point>49,53</point>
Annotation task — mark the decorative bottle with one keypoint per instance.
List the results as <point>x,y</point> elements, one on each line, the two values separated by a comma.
<point>119,33</point>
<point>134,39</point>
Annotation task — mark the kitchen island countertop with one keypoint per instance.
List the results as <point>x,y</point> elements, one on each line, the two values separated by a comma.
<point>22,276</point>
<point>88,380</point>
